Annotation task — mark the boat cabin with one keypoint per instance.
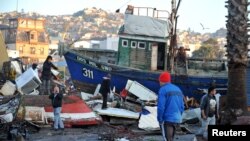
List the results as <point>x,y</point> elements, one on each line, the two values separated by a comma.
<point>143,41</point>
<point>143,44</point>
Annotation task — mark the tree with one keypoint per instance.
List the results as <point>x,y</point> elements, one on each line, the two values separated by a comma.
<point>237,41</point>
<point>210,50</point>
<point>79,13</point>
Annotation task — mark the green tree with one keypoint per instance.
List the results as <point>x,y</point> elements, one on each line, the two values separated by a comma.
<point>209,49</point>
<point>79,13</point>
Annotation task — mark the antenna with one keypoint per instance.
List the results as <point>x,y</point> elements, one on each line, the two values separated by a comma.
<point>16,5</point>
<point>118,10</point>
<point>203,26</point>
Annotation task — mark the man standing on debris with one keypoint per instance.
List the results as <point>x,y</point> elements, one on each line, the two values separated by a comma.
<point>46,75</point>
<point>170,106</point>
<point>104,90</point>
<point>208,110</point>
<point>56,98</point>
<point>181,57</point>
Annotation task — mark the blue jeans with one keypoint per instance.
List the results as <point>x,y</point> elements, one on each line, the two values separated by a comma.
<point>46,87</point>
<point>57,119</point>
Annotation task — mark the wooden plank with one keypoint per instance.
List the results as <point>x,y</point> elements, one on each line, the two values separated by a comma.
<point>122,121</point>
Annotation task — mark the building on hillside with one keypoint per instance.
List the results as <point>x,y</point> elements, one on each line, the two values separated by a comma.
<point>82,44</point>
<point>110,43</point>
<point>28,36</point>
<point>190,46</point>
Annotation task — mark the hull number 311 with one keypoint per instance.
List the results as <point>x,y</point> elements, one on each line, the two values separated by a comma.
<point>88,73</point>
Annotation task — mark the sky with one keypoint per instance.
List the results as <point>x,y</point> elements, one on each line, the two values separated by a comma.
<point>192,13</point>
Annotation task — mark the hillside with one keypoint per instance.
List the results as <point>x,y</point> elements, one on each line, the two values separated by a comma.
<point>93,23</point>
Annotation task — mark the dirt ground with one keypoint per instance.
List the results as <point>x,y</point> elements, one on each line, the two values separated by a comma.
<point>104,132</point>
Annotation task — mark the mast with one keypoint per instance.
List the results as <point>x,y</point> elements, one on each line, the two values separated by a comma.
<point>170,52</point>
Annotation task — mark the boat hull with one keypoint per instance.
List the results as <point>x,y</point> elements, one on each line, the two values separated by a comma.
<point>88,72</point>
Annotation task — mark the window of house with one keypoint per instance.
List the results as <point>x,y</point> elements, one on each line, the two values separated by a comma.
<point>32,50</point>
<point>125,43</point>
<point>20,49</point>
<point>13,24</point>
<point>133,44</point>
<point>32,36</point>
<point>41,50</point>
<point>141,45</point>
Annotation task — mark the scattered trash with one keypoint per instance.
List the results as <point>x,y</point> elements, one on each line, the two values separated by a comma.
<point>121,139</point>
<point>8,88</point>
<point>6,118</point>
<point>140,91</point>
<point>27,82</point>
<point>116,112</point>
<point>191,116</point>
<point>148,119</point>
<point>35,114</point>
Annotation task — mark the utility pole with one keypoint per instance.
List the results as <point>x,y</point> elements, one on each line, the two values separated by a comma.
<point>173,42</point>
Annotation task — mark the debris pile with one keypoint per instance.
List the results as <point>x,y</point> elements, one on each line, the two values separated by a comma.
<point>22,107</point>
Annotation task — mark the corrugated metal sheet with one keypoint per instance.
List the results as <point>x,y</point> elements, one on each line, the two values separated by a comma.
<point>140,91</point>
<point>248,86</point>
<point>116,112</point>
<point>148,120</point>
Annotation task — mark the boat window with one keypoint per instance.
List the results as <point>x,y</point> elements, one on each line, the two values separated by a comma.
<point>125,43</point>
<point>133,44</point>
<point>141,45</point>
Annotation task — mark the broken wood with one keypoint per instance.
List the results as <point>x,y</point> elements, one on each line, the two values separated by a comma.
<point>122,121</point>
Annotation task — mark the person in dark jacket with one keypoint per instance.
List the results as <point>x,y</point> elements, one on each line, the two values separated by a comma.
<point>56,98</point>
<point>46,75</point>
<point>208,110</point>
<point>170,106</point>
<point>104,90</point>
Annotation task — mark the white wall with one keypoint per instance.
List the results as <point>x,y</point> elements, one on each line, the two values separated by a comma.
<point>53,46</point>
<point>82,44</point>
<point>13,53</point>
<point>110,43</point>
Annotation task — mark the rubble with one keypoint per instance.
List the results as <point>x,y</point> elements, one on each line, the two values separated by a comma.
<point>117,112</point>
<point>22,107</point>
<point>140,91</point>
<point>148,119</point>
<point>8,88</point>
<point>27,82</point>
<point>8,108</point>
<point>191,116</point>
<point>35,114</point>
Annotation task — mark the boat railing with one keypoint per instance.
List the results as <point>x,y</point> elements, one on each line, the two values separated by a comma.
<point>207,64</point>
<point>148,11</point>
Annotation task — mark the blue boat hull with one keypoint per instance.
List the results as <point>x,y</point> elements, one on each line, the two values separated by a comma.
<point>91,72</point>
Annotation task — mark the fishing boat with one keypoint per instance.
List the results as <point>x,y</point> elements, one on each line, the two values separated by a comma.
<point>143,53</point>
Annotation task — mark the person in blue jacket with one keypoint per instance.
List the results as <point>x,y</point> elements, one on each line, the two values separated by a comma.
<point>170,106</point>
